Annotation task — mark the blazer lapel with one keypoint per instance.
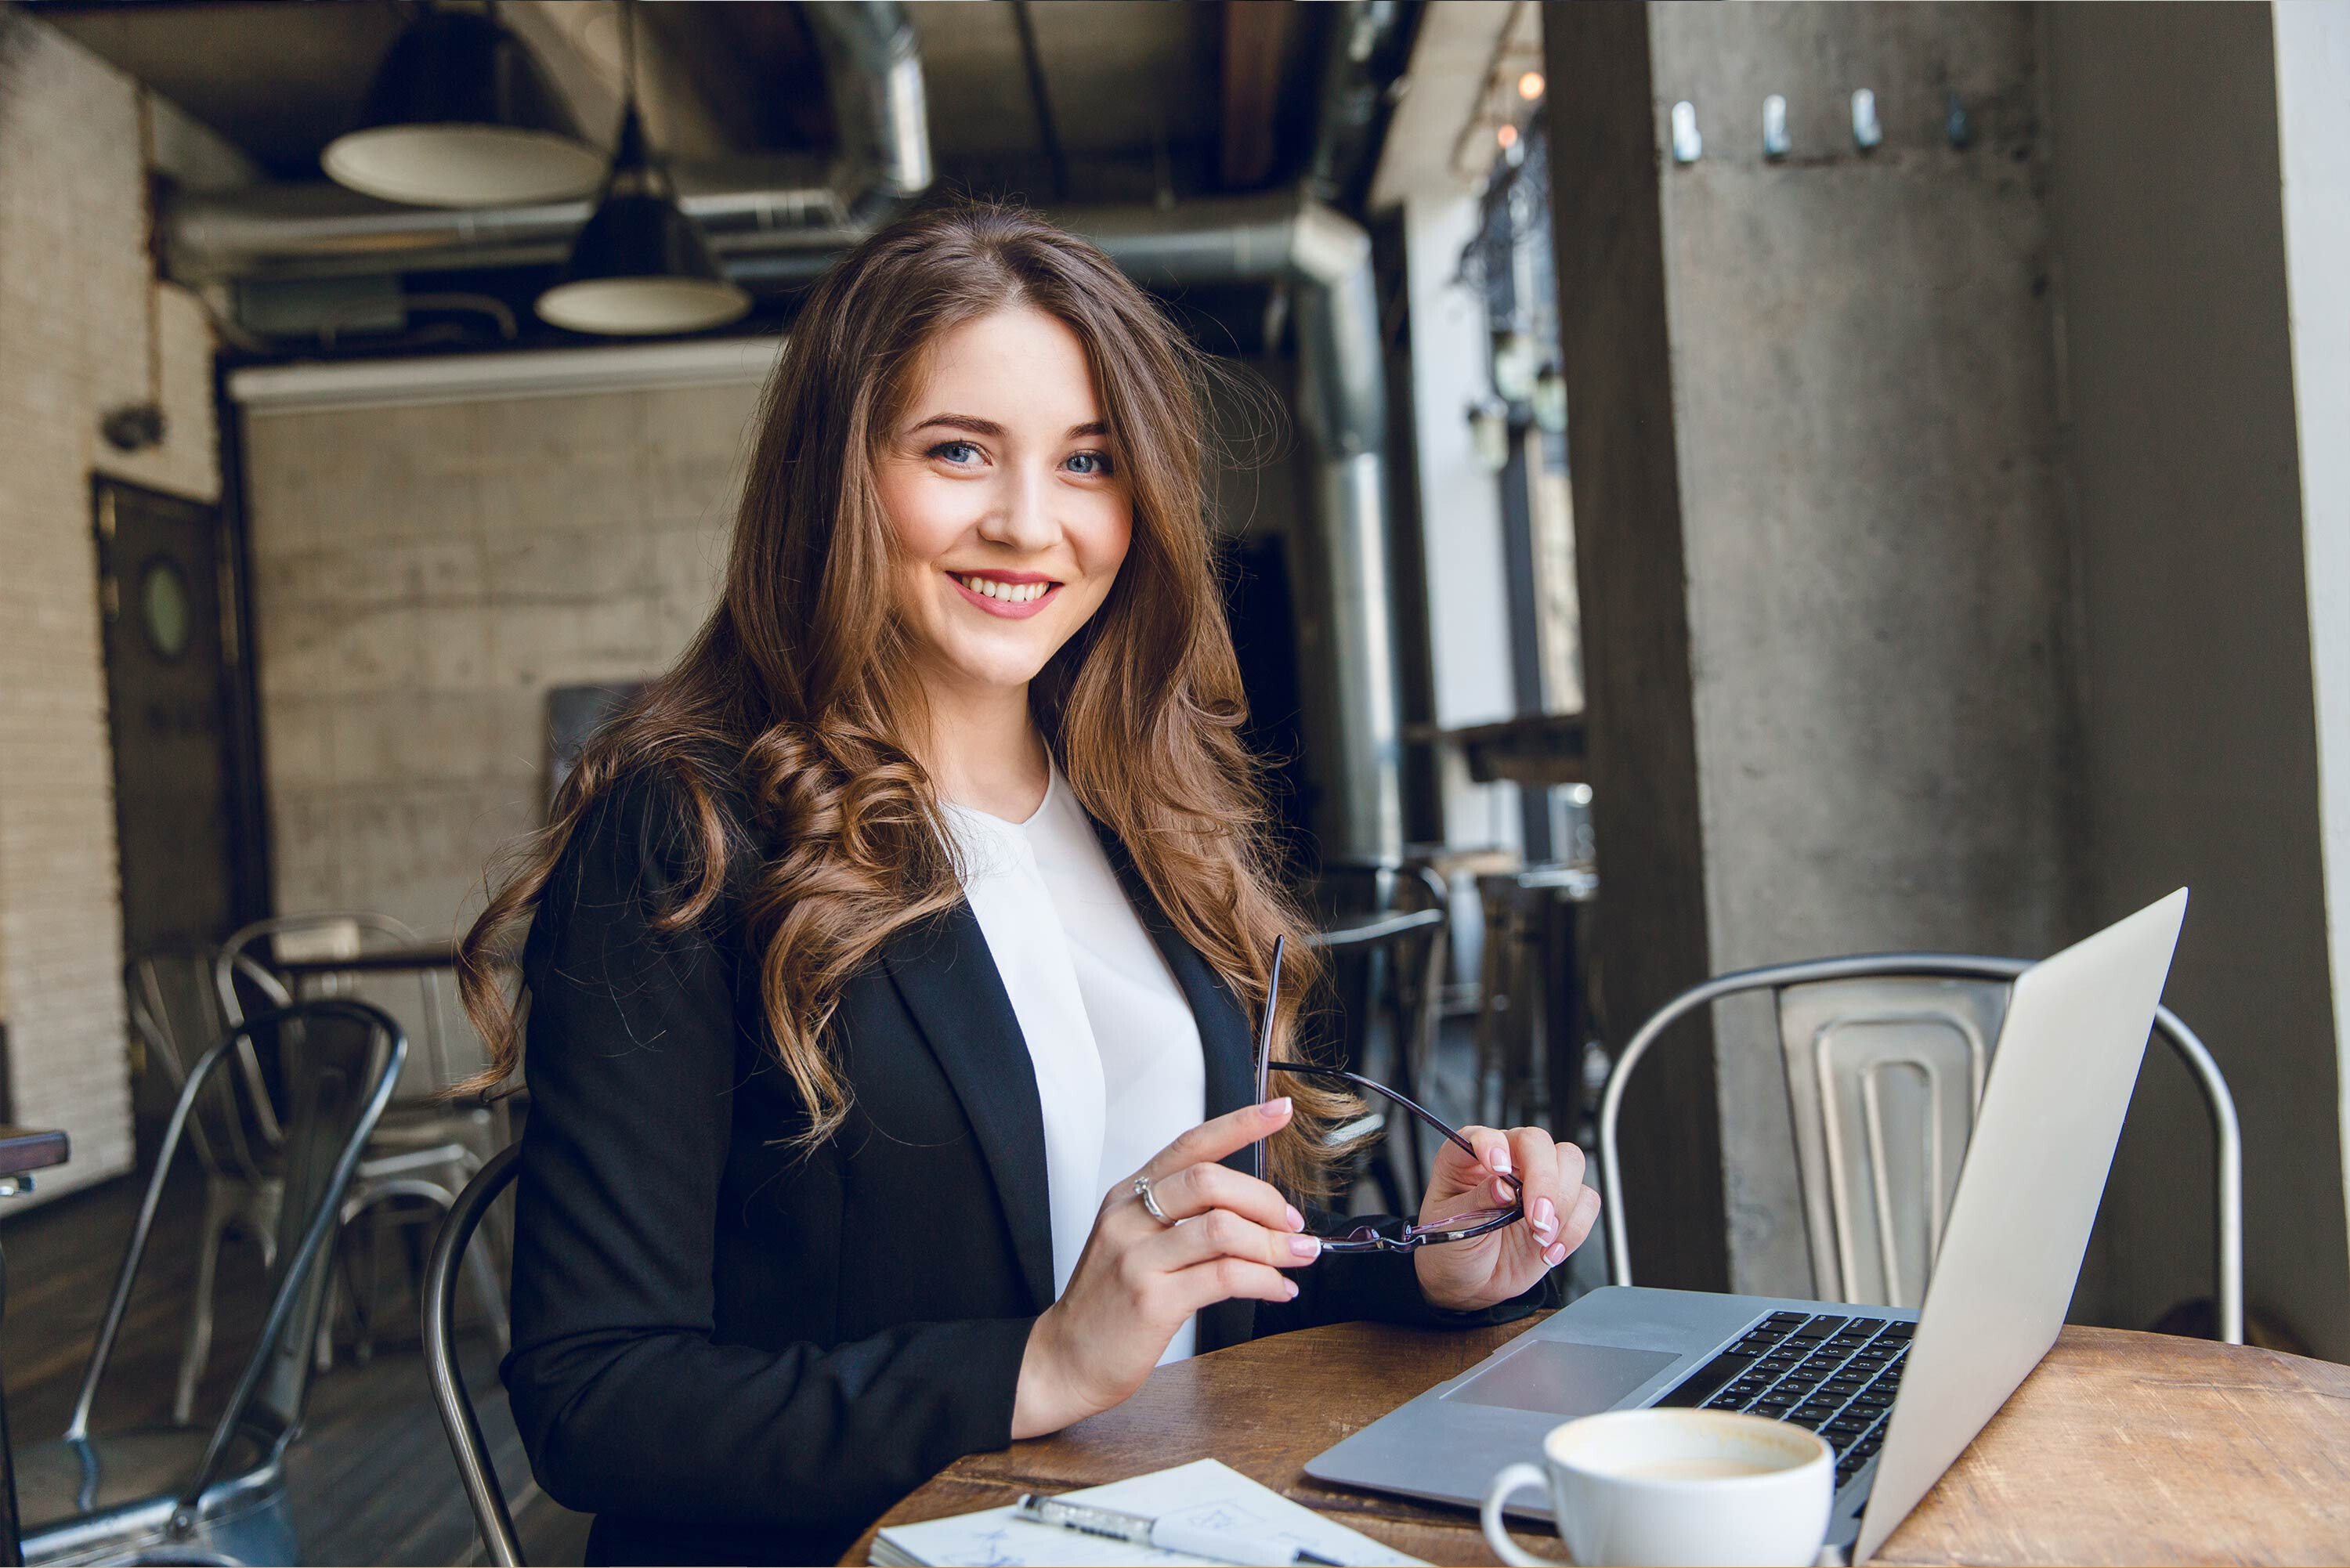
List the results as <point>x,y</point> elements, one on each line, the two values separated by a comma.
<point>949,982</point>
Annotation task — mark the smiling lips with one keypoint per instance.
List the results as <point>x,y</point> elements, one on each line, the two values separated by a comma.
<point>1012,595</point>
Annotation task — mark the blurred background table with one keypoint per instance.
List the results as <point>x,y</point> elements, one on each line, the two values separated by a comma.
<point>23,1150</point>
<point>2121,1448</point>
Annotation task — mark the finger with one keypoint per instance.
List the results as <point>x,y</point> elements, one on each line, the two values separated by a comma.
<point>1221,1233</point>
<point>1211,1141</point>
<point>1229,1279</point>
<point>1580,1220</point>
<point>1537,1160</point>
<point>1492,1163</point>
<point>1197,1188</point>
<point>1469,1166</point>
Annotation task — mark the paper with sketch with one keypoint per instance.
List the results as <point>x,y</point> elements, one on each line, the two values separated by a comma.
<point>1205,1492</point>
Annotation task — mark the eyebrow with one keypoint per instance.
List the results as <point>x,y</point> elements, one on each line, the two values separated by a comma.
<point>978,426</point>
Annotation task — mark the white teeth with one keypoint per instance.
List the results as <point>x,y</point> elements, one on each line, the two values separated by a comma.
<point>1009,593</point>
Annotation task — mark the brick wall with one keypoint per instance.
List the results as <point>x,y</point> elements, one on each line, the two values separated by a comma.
<point>74,296</point>
<point>423,574</point>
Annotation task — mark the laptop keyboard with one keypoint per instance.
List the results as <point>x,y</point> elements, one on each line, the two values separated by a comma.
<point>1833,1374</point>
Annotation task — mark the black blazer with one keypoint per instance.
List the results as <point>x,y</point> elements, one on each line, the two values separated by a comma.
<point>731,1353</point>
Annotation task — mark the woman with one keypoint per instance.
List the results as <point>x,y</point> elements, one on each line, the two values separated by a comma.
<point>917,909</point>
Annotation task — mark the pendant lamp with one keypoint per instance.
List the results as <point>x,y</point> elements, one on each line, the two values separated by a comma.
<point>640,267</point>
<point>462,116</point>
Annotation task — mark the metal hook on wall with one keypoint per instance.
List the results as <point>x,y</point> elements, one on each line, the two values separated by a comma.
<point>1688,145</point>
<point>1865,130</point>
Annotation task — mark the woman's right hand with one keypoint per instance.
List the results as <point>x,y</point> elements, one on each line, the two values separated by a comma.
<point>1138,1280</point>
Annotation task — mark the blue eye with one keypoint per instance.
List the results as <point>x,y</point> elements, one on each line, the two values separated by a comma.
<point>945,447</point>
<point>1101,457</point>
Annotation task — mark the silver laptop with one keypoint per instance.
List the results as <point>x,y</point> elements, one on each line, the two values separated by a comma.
<point>1897,1394</point>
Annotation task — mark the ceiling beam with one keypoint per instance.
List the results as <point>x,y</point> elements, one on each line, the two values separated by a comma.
<point>1257,40</point>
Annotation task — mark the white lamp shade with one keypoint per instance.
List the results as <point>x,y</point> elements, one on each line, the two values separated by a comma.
<point>463,165</point>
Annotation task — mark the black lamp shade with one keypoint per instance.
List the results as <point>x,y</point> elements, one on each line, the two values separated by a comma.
<point>641,266</point>
<point>462,116</point>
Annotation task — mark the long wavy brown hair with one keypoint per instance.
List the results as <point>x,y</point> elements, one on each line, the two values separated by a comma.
<point>798,695</point>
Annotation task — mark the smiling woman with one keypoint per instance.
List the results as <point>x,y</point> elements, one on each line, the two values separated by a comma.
<point>890,960</point>
<point>1013,505</point>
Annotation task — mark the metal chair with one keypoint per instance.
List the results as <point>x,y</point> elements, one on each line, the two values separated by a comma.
<point>491,1515</point>
<point>1533,1007</point>
<point>232,1129</point>
<point>1877,1044</point>
<point>426,1147</point>
<point>185,1493</point>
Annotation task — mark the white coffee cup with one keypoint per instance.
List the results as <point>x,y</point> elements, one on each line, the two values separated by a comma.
<point>1671,1487</point>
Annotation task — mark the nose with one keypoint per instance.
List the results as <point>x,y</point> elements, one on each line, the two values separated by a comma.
<point>1020,517</point>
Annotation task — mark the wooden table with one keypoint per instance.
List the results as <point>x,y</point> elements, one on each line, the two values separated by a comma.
<point>2121,1448</point>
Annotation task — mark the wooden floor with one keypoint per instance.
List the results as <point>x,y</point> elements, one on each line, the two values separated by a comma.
<point>370,1475</point>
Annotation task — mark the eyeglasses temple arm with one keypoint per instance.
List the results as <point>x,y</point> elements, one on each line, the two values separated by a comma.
<point>1422,1112</point>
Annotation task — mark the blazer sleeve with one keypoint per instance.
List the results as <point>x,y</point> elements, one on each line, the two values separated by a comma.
<point>625,1402</point>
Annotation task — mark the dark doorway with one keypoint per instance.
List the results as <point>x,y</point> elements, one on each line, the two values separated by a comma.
<point>1263,613</point>
<point>177,710</point>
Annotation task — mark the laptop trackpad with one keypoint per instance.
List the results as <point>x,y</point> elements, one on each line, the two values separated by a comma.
<point>1564,1379</point>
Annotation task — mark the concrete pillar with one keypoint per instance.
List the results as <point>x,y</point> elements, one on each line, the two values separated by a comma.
<point>2313,59</point>
<point>1623,454</point>
<point>1820,552</point>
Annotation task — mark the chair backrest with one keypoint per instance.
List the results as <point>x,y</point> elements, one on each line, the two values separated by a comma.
<point>457,1417</point>
<point>1386,925</point>
<point>1531,990</point>
<point>339,1059</point>
<point>323,934</point>
<point>1885,1059</point>
<point>175,1010</point>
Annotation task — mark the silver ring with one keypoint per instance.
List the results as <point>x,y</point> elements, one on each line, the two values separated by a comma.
<point>1151,1201</point>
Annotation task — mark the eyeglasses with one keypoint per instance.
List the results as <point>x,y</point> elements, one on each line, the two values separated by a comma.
<point>1391,1233</point>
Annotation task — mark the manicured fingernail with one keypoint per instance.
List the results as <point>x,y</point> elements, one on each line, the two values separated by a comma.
<point>1296,1221</point>
<point>1304,1247</point>
<point>1498,1157</point>
<point>1557,1254</point>
<point>1501,1191</point>
<point>1293,1290</point>
<point>1546,1215</point>
<point>1276,1110</point>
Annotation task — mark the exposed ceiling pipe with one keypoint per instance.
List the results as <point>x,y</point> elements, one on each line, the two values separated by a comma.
<point>873,72</point>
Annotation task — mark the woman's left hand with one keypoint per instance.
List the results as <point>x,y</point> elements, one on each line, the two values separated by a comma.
<point>1467,1275</point>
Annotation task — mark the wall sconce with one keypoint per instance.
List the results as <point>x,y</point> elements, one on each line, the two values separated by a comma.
<point>1550,401</point>
<point>1514,364</point>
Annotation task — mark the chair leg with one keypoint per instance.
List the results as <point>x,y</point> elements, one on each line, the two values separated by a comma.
<point>218,1205</point>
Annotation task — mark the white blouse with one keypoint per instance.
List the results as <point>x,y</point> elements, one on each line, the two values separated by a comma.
<point>1115,1045</point>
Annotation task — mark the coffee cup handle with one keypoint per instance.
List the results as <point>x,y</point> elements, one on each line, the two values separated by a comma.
<point>1513,1480</point>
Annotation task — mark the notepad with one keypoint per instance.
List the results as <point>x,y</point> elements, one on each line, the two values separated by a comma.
<point>1205,1492</point>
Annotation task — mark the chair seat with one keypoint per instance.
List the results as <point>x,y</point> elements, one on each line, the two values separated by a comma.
<point>129,1475</point>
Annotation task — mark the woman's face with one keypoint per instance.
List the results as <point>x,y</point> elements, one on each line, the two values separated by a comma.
<point>1006,493</point>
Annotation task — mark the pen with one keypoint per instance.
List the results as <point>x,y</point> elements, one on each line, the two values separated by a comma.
<point>1167,1534</point>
